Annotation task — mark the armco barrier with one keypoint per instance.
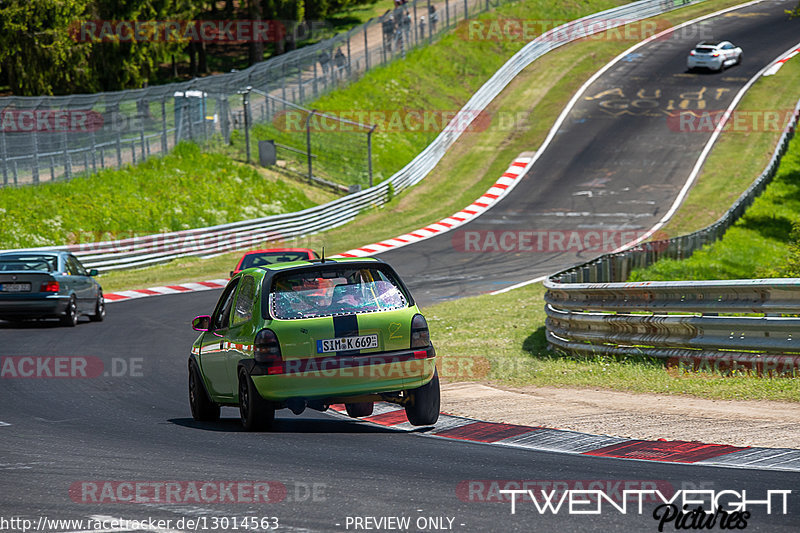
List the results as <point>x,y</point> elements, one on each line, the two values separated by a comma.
<point>591,310</point>
<point>137,252</point>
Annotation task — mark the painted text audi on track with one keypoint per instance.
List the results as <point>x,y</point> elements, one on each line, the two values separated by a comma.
<point>311,334</point>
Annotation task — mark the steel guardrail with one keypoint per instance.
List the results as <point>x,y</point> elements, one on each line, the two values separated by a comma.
<point>591,310</point>
<point>158,248</point>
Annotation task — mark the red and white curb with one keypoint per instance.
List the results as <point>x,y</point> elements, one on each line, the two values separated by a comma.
<point>779,63</point>
<point>112,297</point>
<point>563,441</point>
<point>510,178</point>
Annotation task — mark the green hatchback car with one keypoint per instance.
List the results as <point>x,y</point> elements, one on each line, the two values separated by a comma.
<point>311,334</point>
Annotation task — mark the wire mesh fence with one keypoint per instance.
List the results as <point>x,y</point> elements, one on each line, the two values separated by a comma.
<point>56,138</point>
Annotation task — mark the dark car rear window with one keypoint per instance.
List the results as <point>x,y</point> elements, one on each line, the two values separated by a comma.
<point>317,293</point>
<point>270,258</point>
<point>704,50</point>
<point>43,263</point>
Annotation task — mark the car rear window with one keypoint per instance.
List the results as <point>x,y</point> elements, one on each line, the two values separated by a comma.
<point>343,291</point>
<point>704,49</point>
<point>42,263</point>
<point>270,258</point>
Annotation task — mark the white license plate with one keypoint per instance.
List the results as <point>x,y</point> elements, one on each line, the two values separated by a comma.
<point>343,344</point>
<point>15,287</point>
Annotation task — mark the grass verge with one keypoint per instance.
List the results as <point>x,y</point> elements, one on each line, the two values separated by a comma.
<point>476,341</point>
<point>188,188</point>
<point>524,112</point>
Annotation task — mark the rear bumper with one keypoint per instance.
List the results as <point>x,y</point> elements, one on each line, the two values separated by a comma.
<point>336,376</point>
<point>712,65</point>
<point>32,305</point>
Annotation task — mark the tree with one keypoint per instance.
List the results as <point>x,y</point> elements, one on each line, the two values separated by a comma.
<point>37,53</point>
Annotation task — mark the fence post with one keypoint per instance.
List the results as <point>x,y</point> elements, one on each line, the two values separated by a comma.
<point>141,131</point>
<point>366,48</point>
<point>369,152</point>
<point>4,156</point>
<point>348,55</point>
<point>447,13</point>
<point>67,160</point>
<point>466,9</point>
<point>94,151</point>
<point>246,103</point>
<point>430,26</point>
<point>52,168</point>
<point>163,126</point>
<point>308,144</point>
<point>187,110</point>
<point>35,165</point>
<point>300,91</point>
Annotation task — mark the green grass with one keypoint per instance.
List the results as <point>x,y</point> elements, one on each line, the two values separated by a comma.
<point>185,189</point>
<point>476,341</point>
<point>758,244</point>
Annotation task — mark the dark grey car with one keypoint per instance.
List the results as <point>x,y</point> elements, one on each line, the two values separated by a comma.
<point>48,285</point>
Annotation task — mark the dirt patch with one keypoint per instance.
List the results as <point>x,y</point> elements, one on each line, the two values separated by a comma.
<point>637,416</point>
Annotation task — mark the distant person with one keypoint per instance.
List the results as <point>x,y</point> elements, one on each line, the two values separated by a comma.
<point>422,27</point>
<point>434,18</point>
<point>325,61</point>
<point>388,32</point>
<point>339,60</point>
<point>407,26</point>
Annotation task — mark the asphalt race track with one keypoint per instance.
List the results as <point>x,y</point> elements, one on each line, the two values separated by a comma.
<point>130,422</point>
<point>615,166</point>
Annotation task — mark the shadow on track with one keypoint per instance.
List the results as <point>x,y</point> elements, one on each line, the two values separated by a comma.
<point>291,425</point>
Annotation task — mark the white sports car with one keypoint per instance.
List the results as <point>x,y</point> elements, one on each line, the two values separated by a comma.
<point>714,55</point>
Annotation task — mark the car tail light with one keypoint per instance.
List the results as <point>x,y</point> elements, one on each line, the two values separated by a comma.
<point>267,350</point>
<point>715,54</point>
<point>420,337</point>
<point>49,286</point>
<point>692,53</point>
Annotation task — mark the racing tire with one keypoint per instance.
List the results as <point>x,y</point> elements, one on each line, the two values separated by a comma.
<point>359,409</point>
<point>423,406</point>
<point>203,408</point>
<point>255,412</point>
<point>739,59</point>
<point>99,310</point>
<point>70,318</point>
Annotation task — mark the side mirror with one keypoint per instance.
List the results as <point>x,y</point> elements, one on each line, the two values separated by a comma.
<point>93,272</point>
<point>201,323</point>
<point>230,274</point>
